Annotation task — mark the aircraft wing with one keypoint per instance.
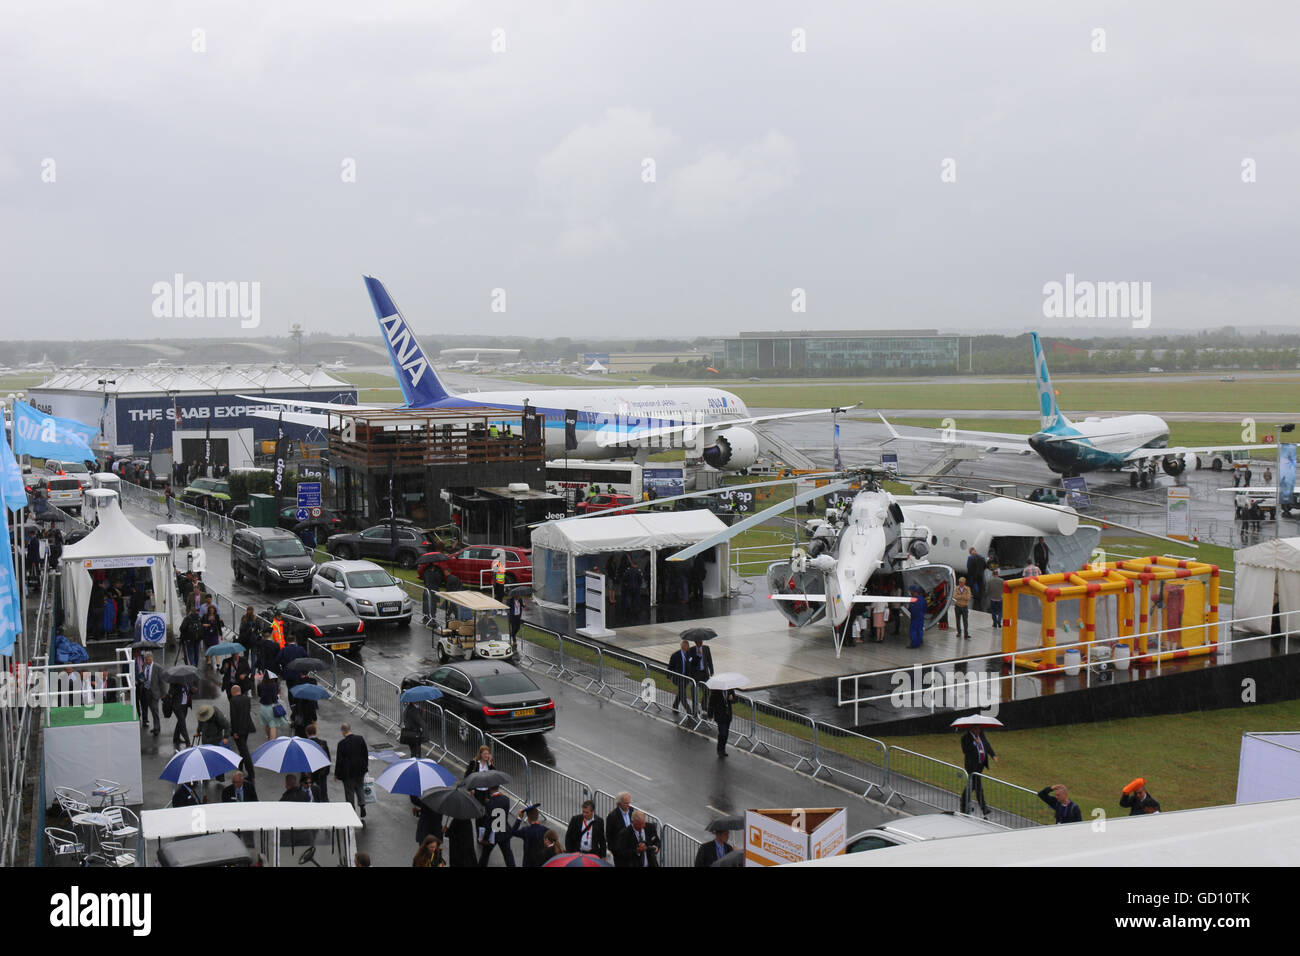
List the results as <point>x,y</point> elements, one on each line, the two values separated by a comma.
<point>985,441</point>
<point>1141,454</point>
<point>323,406</point>
<point>309,419</point>
<point>690,431</point>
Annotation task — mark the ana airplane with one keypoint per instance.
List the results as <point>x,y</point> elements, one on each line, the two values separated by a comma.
<point>605,422</point>
<point>1134,443</point>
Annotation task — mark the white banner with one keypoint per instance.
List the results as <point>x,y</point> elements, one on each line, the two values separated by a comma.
<point>1178,513</point>
<point>120,561</point>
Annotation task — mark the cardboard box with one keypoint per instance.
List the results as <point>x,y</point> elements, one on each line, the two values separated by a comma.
<point>773,837</point>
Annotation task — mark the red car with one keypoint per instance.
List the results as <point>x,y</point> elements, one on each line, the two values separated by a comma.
<point>473,565</point>
<point>606,503</point>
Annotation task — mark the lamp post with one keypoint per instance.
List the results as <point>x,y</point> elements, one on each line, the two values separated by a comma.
<point>103,411</point>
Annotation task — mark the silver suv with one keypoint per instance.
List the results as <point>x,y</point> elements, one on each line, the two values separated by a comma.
<point>64,492</point>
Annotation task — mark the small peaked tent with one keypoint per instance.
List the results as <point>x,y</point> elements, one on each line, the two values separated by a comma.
<point>1266,571</point>
<point>563,551</point>
<point>595,366</point>
<point>115,544</point>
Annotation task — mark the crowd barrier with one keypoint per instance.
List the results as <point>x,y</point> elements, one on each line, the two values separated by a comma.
<point>1014,806</point>
<point>916,778</point>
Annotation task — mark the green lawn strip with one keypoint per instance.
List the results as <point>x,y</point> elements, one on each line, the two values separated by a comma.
<point>1180,433</point>
<point>1189,760</point>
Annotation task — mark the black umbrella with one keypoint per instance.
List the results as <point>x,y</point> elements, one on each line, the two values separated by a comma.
<point>52,516</point>
<point>181,674</point>
<point>694,634</point>
<point>523,590</point>
<point>453,802</point>
<point>304,664</point>
<point>487,779</point>
<point>146,646</point>
<point>734,858</point>
<point>730,824</point>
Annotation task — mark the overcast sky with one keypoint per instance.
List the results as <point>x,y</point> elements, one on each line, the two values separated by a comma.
<point>523,170</point>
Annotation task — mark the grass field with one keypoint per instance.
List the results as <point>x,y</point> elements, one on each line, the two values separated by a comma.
<point>1189,760</point>
<point>1180,433</point>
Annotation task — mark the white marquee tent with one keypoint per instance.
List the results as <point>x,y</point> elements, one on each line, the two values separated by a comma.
<point>1267,570</point>
<point>115,544</point>
<point>564,550</point>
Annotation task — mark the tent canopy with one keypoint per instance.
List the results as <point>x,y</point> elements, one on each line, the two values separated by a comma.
<point>115,537</point>
<point>635,532</point>
<point>1264,572</point>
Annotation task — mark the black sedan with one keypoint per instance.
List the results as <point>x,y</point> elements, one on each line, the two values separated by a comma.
<point>494,696</point>
<point>325,620</point>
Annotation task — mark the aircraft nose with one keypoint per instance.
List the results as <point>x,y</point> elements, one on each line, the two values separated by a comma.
<point>1037,442</point>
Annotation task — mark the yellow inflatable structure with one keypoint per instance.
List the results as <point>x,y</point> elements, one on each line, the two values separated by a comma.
<point>1175,605</point>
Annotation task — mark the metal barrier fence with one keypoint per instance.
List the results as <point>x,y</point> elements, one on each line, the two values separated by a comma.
<point>508,760</point>
<point>846,753</point>
<point>675,695</point>
<point>462,739</point>
<point>576,661</point>
<point>677,848</point>
<point>383,700</point>
<point>559,794</point>
<point>624,676</point>
<point>606,802</point>
<point>432,725</point>
<point>769,735</point>
<point>914,777</point>
<point>1012,805</point>
<point>540,655</point>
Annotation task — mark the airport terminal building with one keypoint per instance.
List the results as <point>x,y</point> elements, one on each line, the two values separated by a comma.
<point>139,406</point>
<point>814,353</point>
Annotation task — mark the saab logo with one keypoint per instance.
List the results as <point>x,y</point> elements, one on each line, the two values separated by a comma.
<point>405,350</point>
<point>73,910</point>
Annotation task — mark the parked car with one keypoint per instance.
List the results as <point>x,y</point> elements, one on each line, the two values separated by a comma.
<point>919,829</point>
<point>494,696</point>
<point>53,466</point>
<point>606,503</point>
<point>377,542</point>
<point>275,557</point>
<point>64,492</point>
<point>325,620</point>
<point>201,488</point>
<point>473,566</point>
<point>367,589</point>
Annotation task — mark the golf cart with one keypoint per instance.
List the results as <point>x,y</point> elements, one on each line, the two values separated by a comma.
<point>465,626</point>
<point>185,542</point>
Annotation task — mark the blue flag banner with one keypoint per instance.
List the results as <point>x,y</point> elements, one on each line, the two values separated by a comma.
<point>838,465</point>
<point>13,497</point>
<point>45,436</point>
<point>1286,474</point>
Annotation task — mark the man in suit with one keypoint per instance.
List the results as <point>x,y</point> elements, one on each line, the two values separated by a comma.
<point>619,819</point>
<point>703,661</point>
<point>638,845</point>
<point>586,833</point>
<point>151,688</point>
<point>710,853</point>
<point>292,792</point>
<point>181,699</point>
<point>352,762</point>
<point>682,662</point>
<point>977,751</point>
<point>494,827</point>
<point>720,702</point>
<point>320,777</point>
<point>239,791</point>
<point>1040,554</point>
<point>975,565</point>
<point>242,727</point>
<point>188,794</point>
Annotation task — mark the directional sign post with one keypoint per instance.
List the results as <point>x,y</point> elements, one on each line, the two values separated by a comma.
<point>309,497</point>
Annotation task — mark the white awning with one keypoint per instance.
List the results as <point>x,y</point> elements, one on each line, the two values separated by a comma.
<point>634,532</point>
<point>254,815</point>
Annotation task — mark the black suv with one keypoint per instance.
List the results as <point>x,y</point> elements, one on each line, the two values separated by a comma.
<point>275,557</point>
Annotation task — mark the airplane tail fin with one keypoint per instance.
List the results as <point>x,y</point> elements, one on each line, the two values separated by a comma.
<point>1049,413</point>
<point>420,385</point>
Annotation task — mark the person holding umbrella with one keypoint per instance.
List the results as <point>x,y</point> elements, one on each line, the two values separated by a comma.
<point>720,702</point>
<point>321,776</point>
<point>682,662</point>
<point>213,728</point>
<point>515,613</point>
<point>976,753</point>
<point>710,853</point>
<point>703,656</point>
<point>274,718</point>
<point>180,699</point>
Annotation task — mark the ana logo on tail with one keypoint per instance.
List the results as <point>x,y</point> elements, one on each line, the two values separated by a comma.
<point>405,350</point>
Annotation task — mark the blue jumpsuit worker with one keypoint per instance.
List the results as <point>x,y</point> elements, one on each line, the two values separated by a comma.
<point>917,609</point>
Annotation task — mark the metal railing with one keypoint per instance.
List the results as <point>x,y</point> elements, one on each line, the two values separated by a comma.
<point>935,696</point>
<point>1013,806</point>
<point>677,848</point>
<point>769,735</point>
<point>914,777</point>
<point>556,791</point>
<point>624,676</point>
<point>846,753</point>
<point>508,760</point>
<point>606,802</point>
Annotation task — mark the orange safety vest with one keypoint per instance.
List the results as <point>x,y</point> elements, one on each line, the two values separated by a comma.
<point>277,632</point>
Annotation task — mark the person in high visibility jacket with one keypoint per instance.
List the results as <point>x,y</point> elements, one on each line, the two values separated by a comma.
<point>498,577</point>
<point>277,630</point>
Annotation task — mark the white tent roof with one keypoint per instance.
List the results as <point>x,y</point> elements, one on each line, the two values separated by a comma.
<point>634,532</point>
<point>1252,834</point>
<point>1278,554</point>
<point>191,378</point>
<point>114,536</point>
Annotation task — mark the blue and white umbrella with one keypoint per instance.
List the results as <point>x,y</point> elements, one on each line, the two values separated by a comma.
<point>228,647</point>
<point>200,763</point>
<point>309,692</point>
<point>415,776</point>
<point>413,694</point>
<point>290,755</point>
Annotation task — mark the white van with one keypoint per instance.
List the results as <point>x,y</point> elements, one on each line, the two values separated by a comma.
<point>920,829</point>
